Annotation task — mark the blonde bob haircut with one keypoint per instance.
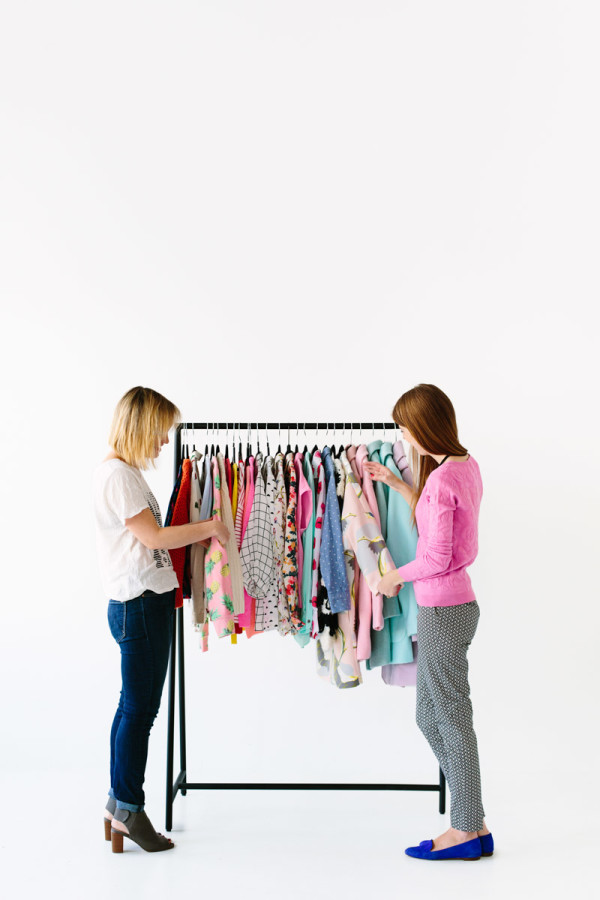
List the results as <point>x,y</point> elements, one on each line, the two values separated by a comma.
<point>140,418</point>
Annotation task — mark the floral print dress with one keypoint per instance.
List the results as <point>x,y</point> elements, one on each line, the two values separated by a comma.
<point>290,559</point>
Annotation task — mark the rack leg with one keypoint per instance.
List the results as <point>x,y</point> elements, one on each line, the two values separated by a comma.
<point>182,749</point>
<point>171,731</point>
<point>442,792</point>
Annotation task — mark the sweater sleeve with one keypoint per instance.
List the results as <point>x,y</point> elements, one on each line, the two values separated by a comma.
<point>437,555</point>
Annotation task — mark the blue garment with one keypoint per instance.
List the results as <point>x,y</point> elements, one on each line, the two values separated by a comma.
<point>402,540</point>
<point>393,644</point>
<point>143,628</point>
<point>332,562</point>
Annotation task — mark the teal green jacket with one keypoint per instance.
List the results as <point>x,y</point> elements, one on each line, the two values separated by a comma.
<point>394,643</point>
<point>302,637</point>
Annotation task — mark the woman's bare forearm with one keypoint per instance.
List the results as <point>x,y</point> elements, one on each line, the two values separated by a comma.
<point>174,536</point>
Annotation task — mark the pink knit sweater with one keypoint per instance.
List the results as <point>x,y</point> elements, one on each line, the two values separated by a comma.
<point>447,515</point>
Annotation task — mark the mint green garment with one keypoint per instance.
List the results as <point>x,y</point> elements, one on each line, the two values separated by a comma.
<point>308,539</point>
<point>380,488</point>
<point>394,643</point>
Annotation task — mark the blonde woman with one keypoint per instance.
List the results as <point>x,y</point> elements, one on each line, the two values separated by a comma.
<point>445,506</point>
<point>139,580</point>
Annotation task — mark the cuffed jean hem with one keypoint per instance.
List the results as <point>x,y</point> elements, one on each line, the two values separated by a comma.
<point>132,807</point>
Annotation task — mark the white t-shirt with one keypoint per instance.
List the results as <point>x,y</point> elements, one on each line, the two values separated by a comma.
<point>127,567</point>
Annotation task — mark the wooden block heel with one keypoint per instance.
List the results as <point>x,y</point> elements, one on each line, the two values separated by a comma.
<point>107,829</point>
<point>116,839</point>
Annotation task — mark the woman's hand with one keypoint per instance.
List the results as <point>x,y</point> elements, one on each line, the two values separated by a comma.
<point>380,473</point>
<point>220,530</point>
<point>390,584</point>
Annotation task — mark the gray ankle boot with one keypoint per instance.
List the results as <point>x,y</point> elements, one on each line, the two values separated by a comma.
<point>140,830</point>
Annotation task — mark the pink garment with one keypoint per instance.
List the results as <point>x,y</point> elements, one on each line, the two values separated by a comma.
<point>304,505</point>
<point>402,464</point>
<point>370,605</point>
<point>244,618</point>
<point>351,454</point>
<point>363,544</point>
<point>320,491</point>
<point>402,674</point>
<point>447,517</point>
<point>231,547</point>
<point>217,575</point>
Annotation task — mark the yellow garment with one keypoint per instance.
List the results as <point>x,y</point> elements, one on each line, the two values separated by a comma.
<point>234,489</point>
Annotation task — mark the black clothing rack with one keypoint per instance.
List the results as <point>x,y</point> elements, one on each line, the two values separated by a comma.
<point>181,783</point>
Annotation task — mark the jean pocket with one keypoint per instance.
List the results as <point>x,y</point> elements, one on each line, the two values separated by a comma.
<point>126,620</point>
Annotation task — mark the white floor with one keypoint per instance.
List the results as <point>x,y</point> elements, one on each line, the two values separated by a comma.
<point>293,844</point>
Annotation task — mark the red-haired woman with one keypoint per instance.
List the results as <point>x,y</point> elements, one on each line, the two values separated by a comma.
<point>445,502</point>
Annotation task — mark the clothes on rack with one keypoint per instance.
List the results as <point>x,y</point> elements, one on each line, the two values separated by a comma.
<point>266,605</point>
<point>230,546</point>
<point>290,558</point>
<point>257,547</point>
<point>302,636</point>
<point>197,550</point>
<point>319,488</point>
<point>307,537</point>
<point>393,643</point>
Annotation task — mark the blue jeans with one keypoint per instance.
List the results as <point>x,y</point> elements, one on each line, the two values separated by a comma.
<point>143,629</point>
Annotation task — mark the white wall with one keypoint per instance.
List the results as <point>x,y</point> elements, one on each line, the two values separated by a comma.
<point>298,211</point>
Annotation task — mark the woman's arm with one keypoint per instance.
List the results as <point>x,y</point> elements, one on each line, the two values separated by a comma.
<point>437,555</point>
<point>379,472</point>
<point>144,527</point>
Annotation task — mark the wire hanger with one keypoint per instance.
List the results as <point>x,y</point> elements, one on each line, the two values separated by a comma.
<point>305,451</point>
<point>227,440</point>
<point>316,447</point>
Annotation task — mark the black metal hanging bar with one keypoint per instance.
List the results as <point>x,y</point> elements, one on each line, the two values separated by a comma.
<point>202,426</point>
<point>181,783</point>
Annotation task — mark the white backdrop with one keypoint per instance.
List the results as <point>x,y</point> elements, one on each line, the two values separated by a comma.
<point>276,211</point>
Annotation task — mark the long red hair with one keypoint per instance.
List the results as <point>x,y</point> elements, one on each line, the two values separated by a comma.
<point>427,412</point>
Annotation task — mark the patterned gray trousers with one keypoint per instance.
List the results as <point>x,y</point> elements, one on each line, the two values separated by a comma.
<point>444,710</point>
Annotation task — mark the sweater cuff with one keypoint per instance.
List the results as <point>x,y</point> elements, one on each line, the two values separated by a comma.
<point>407,572</point>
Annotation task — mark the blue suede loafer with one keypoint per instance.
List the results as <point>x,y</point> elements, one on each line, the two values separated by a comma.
<point>467,850</point>
<point>487,844</point>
